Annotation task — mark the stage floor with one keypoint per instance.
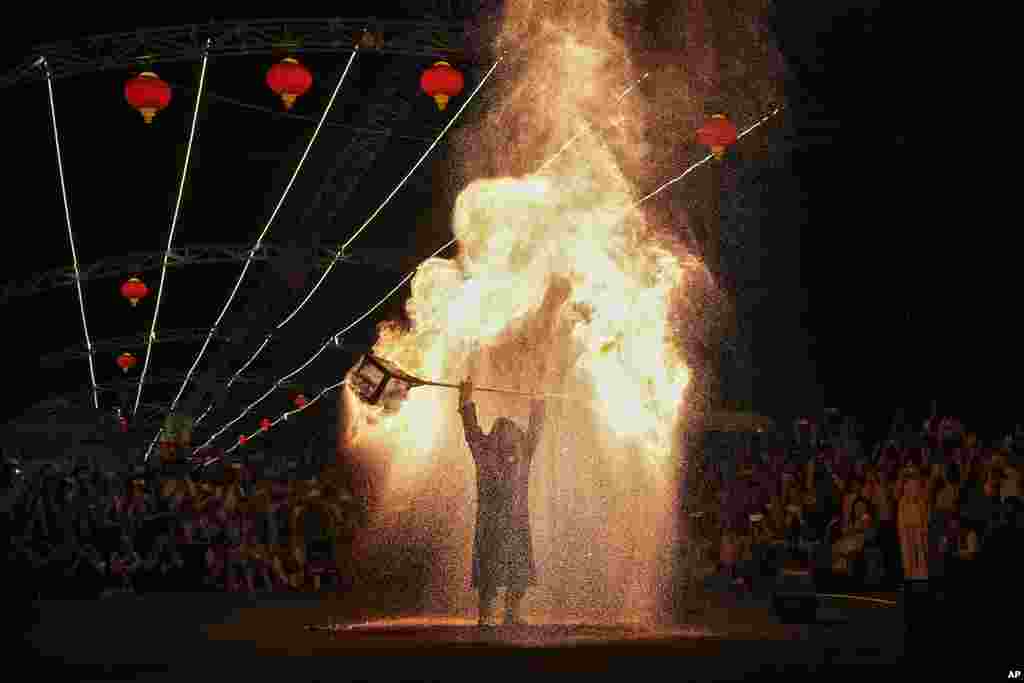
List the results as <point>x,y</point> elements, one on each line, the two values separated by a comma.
<point>219,637</point>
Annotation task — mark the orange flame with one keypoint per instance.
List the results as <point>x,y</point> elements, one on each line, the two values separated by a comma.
<point>603,496</point>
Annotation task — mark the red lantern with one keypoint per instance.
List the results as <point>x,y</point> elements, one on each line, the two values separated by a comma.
<point>147,93</point>
<point>126,362</point>
<point>123,421</point>
<point>265,424</point>
<point>290,80</point>
<point>242,440</point>
<point>718,133</point>
<point>300,401</point>
<point>134,290</point>
<point>442,82</point>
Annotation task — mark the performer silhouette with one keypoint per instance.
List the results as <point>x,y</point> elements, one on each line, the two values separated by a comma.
<point>502,548</point>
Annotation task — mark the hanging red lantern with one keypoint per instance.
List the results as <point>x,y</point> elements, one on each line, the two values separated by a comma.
<point>718,134</point>
<point>442,82</point>
<point>134,290</point>
<point>147,93</point>
<point>126,361</point>
<point>300,401</point>
<point>290,80</point>
<point>123,422</point>
<point>242,440</point>
<point>265,424</point>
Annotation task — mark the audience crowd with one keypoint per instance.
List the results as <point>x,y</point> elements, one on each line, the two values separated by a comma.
<point>937,507</point>
<point>82,533</point>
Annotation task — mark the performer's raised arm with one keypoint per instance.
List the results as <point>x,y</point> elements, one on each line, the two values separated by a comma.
<point>533,432</point>
<point>474,435</point>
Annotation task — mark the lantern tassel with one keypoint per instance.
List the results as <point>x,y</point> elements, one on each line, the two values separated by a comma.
<point>442,101</point>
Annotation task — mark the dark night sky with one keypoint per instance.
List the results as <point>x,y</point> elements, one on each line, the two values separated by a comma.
<point>905,303</point>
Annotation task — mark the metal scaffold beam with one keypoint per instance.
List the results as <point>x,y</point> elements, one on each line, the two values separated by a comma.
<point>116,345</point>
<point>188,255</point>
<point>125,50</point>
<point>135,341</point>
<point>173,378</point>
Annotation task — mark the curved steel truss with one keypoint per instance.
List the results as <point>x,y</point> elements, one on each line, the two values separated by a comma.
<point>133,49</point>
<point>193,335</point>
<point>188,255</point>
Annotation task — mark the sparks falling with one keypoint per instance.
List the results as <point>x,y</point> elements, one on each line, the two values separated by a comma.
<point>549,201</point>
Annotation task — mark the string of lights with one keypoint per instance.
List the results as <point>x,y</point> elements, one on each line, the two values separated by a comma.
<point>256,247</point>
<point>71,235</point>
<point>337,336</point>
<point>341,250</point>
<point>281,418</point>
<point>174,224</point>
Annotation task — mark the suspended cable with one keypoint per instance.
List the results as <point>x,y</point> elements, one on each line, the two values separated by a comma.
<point>71,236</point>
<point>341,250</point>
<point>256,247</point>
<point>326,344</point>
<point>583,131</point>
<point>174,224</point>
<point>387,200</point>
<point>280,418</point>
<point>703,161</point>
<point>395,289</point>
<point>323,347</point>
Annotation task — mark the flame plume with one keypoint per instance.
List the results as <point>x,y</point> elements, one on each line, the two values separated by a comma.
<point>604,478</point>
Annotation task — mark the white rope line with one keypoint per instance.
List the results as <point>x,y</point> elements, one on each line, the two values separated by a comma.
<point>256,247</point>
<point>387,200</point>
<point>174,224</point>
<point>341,250</point>
<point>71,235</point>
<point>583,131</point>
<point>286,415</point>
<point>324,346</point>
<point>703,161</point>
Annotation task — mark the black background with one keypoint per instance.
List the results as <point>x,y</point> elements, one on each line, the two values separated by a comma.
<point>902,295</point>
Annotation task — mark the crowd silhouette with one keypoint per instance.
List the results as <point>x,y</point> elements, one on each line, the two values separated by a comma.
<point>935,506</point>
<point>78,532</point>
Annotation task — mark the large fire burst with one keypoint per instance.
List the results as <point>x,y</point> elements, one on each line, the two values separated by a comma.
<point>603,485</point>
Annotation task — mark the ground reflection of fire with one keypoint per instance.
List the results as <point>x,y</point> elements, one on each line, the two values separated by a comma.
<point>604,479</point>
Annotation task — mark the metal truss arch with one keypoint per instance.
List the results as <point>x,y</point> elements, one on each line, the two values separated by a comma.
<point>133,49</point>
<point>192,335</point>
<point>187,255</point>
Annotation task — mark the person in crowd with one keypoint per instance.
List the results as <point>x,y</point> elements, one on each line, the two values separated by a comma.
<point>124,563</point>
<point>872,560</point>
<point>1011,482</point>
<point>912,519</point>
<point>944,496</point>
<point>216,563</point>
<point>729,553</point>
<point>851,493</point>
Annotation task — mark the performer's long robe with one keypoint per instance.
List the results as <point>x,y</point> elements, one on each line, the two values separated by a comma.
<point>503,548</point>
